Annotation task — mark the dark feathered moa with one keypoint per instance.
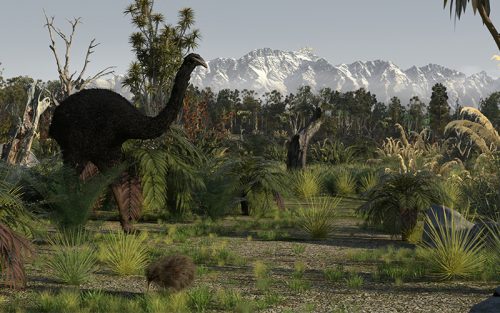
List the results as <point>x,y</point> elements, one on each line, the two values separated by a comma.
<point>175,272</point>
<point>90,127</point>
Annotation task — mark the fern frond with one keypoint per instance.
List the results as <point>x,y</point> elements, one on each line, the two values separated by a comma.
<point>153,169</point>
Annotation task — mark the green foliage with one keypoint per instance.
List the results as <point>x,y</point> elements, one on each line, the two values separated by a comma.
<point>13,95</point>
<point>317,218</point>
<point>169,170</point>
<point>439,110</point>
<point>124,254</point>
<point>66,301</point>
<point>490,107</point>
<point>14,248</point>
<point>369,181</point>
<point>345,183</point>
<point>354,281</point>
<point>307,183</point>
<point>69,198</point>
<point>200,298</point>
<point>298,249</point>
<point>13,212</point>
<point>74,259</point>
<point>228,299</point>
<point>332,152</point>
<point>258,174</point>
<point>219,194</point>
<point>481,192</point>
<point>335,274</point>
<point>262,275</point>
<point>398,200</point>
<point>298,285</point>
<point>159,49</point>
<point>452,251</point>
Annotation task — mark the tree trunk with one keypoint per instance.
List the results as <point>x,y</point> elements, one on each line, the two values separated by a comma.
<point>245,207</point>
<point>489,24</point>
<point>297,147</point>
<point>17,150</point>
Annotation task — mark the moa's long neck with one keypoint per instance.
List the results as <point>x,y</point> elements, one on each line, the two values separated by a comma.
<point>152,127</point>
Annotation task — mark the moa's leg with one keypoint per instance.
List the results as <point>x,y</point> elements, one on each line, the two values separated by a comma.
<point>128,196</point>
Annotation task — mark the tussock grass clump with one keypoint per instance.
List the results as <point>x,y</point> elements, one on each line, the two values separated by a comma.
<point>317,218</point>
<point>73,260</point>
<point>345,183</point>
<point>307,183</point>
<point>125,254</point>
<point>368,182</point>
<point>354,281</point>
<point>298,249</point>
<point>262,275</point>
<point>335,274</point>
<point>200,298</point>
<point>228,299</point>
<point>453,252</point>
<point>66,301</point>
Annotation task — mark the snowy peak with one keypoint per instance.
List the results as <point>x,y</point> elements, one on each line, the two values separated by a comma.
<point>264,70</point>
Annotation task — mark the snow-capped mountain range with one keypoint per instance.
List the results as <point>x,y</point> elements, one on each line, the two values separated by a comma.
<point>265,69</point>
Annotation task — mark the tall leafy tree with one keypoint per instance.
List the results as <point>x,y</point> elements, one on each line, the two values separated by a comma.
<point>490,107</point>
<point>439,110</point>
<point>395,115</point>
<point>416,116</point>
<point>159,49</point>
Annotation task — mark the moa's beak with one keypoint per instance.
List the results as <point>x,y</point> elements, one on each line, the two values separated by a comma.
<point>201,62</point>
<point>147,286</point>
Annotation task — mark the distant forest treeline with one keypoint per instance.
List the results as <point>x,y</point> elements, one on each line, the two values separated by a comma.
<point>354,117</point>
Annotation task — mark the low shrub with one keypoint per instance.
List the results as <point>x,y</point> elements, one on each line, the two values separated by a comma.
<point>317,218</point>
<point>453,252</point>
<point>125,254</point>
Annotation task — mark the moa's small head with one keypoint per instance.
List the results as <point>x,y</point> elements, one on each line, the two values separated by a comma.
<point>195,60</point>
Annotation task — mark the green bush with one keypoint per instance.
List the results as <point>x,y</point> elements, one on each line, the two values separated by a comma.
<point>398,201</point>
<point>317,218</point>
<point>73,260</point>
<point>200,298</point>
<point>307,183</point>
<point>125,254</point>
<point>368,181</point>
<point>453,252</point>
<point>335,274</point>
<point>345,183</point>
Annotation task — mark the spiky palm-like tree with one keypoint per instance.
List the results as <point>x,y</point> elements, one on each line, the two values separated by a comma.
<point>399,199</point>
<point>258,175</point>
<point>481,6</point>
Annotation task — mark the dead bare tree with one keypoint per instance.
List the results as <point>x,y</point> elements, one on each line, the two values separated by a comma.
<point>297,146</point>
<point>69,83</point>
<point>17,149</point>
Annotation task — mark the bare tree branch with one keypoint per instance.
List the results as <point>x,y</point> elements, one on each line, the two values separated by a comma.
<point>69,84</point>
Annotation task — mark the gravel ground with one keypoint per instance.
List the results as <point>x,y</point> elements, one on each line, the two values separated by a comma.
<point>323,296</point>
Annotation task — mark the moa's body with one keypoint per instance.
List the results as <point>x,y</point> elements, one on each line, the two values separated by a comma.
<point>91,126</point>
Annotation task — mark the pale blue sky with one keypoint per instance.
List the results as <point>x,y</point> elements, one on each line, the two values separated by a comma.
<point>407,32</point>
